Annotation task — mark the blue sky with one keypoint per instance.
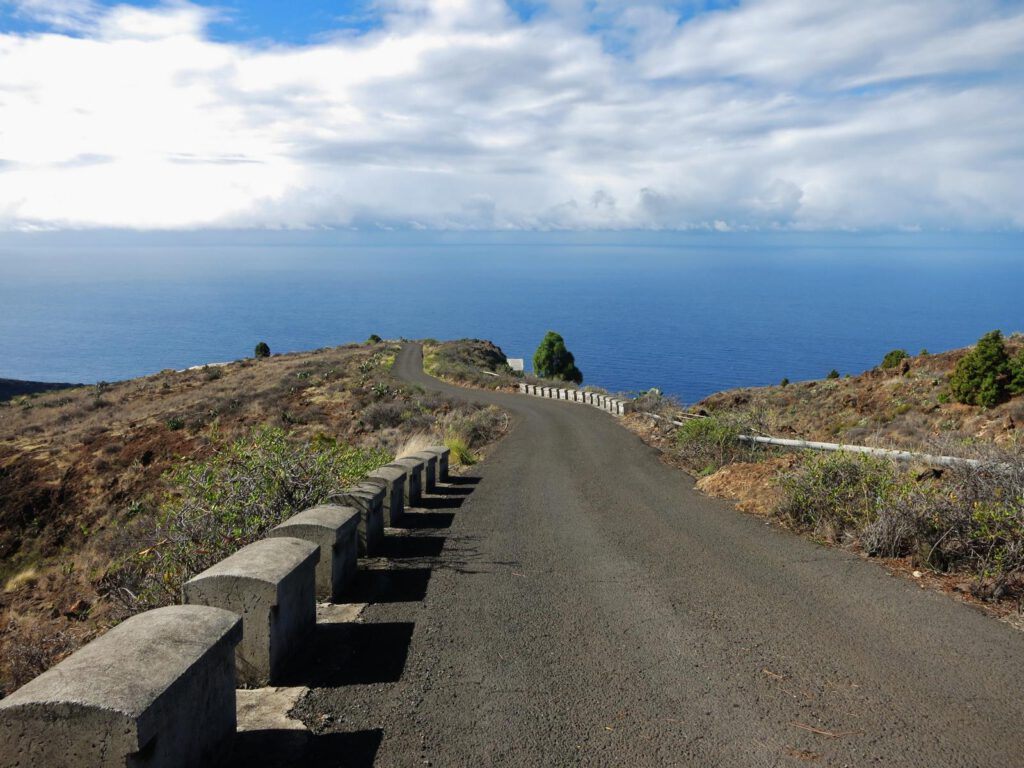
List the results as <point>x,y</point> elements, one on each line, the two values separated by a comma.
<point>487,115</point>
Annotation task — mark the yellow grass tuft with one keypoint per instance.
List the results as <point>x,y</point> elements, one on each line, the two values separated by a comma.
<point>26,578</point>
<point>415,444</point>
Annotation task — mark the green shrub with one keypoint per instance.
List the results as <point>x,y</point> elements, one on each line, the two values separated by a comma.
<point>553,361</point>
<point>709,443</point>
<point>981,376</point>
<point>894,358</point>
<point>219,504</point>
<point>784,382</point>
<point>374,339</point>
<point>175,423</point>
<point>833,374</point>
<point>461,454</point>
<point>836,493</point>
<point>970,520</point>
<point>262,350</point>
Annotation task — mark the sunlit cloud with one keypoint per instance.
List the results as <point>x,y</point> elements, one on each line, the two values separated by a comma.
<point>460,114</point>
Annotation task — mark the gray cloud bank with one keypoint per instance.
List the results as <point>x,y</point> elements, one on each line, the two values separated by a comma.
<point>772,114</point>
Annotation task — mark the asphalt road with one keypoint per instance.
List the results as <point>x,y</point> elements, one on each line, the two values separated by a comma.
<point>588,607</point>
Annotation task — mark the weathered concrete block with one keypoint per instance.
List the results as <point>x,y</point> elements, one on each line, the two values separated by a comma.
<point>368,498</point>
<point>335,529</point>
<point>429,459</point>
<point>272,584</point>
<point>442,452</point>
<point>156,690</point>
<point>522,388</point>
<point>392,480</point>
<point>413,479</point>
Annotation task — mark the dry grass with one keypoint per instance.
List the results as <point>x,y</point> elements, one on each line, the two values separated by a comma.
<point>415,444</point>
<point>27,578</point>
<point>81,468</point>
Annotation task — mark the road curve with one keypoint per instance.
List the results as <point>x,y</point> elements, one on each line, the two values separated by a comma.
<point>589,607</point>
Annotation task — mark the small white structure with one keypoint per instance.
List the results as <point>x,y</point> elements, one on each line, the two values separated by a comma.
<point>516,364</point>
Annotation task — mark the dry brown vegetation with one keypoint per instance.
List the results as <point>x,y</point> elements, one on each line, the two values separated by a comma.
<point>909,406</point>
<point>959,529</point>
<point>80,467</point>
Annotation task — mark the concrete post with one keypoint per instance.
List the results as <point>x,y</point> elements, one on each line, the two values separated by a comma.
<point>271,584</point>
<point>429,460</point>
<point>413,479</point>
<point>442,452</point>
<point>368,498</point>
<point>157,690</point>
<point>392,480</point>
<point>335,530</point>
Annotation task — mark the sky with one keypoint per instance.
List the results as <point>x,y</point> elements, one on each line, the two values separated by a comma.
<point>742,115</point>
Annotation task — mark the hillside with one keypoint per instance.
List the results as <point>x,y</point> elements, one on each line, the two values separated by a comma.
<point>14,387</point>
<point>909,406</point>
<point>84,472</point>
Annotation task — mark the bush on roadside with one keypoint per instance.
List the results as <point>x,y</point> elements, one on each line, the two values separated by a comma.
<point>708,443</point>
<point>460,452</point>
<point>262,350</point>
<point>219,504</point>
<point>836,494</point>
<point>971,520</point>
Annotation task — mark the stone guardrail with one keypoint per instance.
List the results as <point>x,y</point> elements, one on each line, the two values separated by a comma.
<point>613,405</point>
<point>159,689</point>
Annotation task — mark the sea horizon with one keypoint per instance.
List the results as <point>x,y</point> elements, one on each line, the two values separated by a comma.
<point>690,313</point>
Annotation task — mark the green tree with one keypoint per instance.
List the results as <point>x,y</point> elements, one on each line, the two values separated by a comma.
<point>262,350</point>
<point>553,361</point>
<point>893,358</point>
<point>1016,385</point>
<point>833,374</point>
<point>980,376</point>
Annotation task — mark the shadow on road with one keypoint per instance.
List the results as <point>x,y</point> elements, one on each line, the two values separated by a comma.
<point>351,654</point>
<point>463,480</point>
<point>402,547</point>
<point>391,586</point>
<point>441,503</point>
<point>292,749</point>
<point>427,520</point>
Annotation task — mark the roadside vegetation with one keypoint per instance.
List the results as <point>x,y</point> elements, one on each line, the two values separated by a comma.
<point>469,362</point>
<point>961,529</point>
<point>113,494</point>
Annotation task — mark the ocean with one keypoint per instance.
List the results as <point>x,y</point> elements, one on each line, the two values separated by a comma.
<point>690,314</point>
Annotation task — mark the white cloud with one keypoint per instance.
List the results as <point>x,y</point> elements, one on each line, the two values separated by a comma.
<point>456,114</point>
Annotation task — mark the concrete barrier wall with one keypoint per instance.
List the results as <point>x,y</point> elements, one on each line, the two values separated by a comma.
<point>607,403</point>
<point>368,498</point>
<point>429,460</point>
<point>442,452</point>
<point>392,480</point>
<point>169,700</point>
<point>413,469</point>
<point>271,584</point>
<point>156,690</point>
<point>335,530</point>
